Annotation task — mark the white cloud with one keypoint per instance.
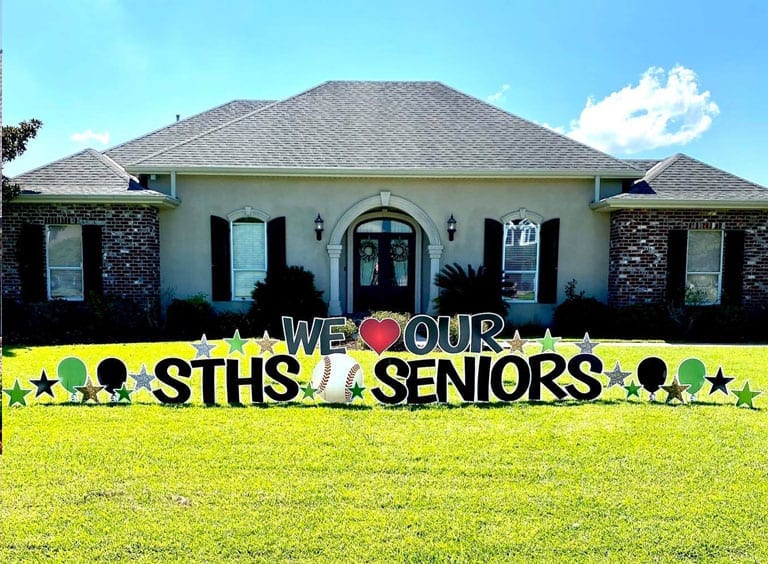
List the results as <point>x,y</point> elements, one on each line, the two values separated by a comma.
<point>498,96</point>
<point>90,135</point>
<point>651,114</point>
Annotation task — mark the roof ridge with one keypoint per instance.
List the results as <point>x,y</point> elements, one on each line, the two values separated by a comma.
<point>46,165</point>
<point>223,125</point>
<point>114,165</point>
<point>561,135</point>
<point>174,124</point>
<point>722,170</point>
<point>661,166</point>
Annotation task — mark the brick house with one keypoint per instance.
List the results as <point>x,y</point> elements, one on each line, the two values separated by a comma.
<point>374,186</point>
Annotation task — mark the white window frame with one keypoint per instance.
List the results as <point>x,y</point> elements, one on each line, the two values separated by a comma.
<point>719,273</point>
<point>524,230</point>
<point>247,212</point>
<point>49,269</point>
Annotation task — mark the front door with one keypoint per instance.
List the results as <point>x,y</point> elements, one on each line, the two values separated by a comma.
<point>384,266</point>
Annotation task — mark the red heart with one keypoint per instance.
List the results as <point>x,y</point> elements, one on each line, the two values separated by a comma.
<point>379,335</point>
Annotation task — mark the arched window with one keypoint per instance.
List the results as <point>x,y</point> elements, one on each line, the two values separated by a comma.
<point>520,260</point>
<point>249,255</point>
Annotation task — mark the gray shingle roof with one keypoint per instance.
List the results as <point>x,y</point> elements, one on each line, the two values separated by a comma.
<point>683,178</point>
<point>171,135</point>
<point>87,173</point>
<point>383,126</point>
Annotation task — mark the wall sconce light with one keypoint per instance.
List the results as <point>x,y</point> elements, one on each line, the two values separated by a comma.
<point>451,227</point>
<point>319,227</point>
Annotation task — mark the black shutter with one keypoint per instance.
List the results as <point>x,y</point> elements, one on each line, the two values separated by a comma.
<point>221,267</point>
<point>549,241</point>
<point>92,260</point>
<point>493,247</point>
<point>733,267</point>
<point>276,256</point>
<point>677,262</point>
<point>31,260</point>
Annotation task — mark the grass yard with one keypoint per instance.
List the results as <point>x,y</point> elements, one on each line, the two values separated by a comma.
<point>612,480</point>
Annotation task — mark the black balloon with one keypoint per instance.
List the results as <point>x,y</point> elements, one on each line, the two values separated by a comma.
<point>652,373</point>
<point>112,374</point>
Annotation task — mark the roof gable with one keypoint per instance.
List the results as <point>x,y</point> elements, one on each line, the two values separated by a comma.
<point>388,126</point>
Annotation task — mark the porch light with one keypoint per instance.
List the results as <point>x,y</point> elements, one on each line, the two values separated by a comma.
<point>451,227</point>
<point>319,227</point>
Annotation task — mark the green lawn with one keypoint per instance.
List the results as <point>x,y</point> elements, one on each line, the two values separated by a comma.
<point>613,480</point>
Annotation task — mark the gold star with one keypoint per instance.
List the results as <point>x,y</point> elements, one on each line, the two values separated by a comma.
<point>516,343</point>
<point>89,391</point>
<point>675,391</point>
<point>266,344</point>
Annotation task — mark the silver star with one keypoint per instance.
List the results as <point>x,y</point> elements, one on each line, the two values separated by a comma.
<point>586,345</point>
<point>616,377</point>
<point>203,348</point>
<point>143,379</point>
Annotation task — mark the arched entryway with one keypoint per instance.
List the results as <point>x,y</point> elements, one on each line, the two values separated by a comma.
<point>390,232</point>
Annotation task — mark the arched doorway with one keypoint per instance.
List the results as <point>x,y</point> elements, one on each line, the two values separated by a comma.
<point>395,207</point>
<point>384,259</point>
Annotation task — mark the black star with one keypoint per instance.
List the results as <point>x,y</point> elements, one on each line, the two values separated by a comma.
<point>44,385</point>
<point>719,382</point>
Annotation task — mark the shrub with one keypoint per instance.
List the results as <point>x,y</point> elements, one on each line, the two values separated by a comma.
<point>349,330</point>
<point>189,318</point>
<point>290,291</point>
<point>578,315</point>
<point>401,319</point>
<point>468,291</point>
<point>647,321</point>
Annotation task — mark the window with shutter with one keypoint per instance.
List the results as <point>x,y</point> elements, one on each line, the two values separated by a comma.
<point>64,253</point>
<point>704,267</point>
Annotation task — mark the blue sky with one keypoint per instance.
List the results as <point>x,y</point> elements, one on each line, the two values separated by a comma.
<point>637,79</point>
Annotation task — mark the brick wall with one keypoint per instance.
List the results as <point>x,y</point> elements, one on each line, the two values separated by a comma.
<point>638,252</point>
<point>130,245</point>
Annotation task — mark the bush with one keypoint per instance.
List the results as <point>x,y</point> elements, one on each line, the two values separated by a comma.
<point>647,321</point>
<point>227,322</point>
<point>60,322</point>
<point>578,315</point>
<point>401,319</point>
<point>189,318</point>
<point>349,330</point>
<point>290,291</point>
<point>468,291</point>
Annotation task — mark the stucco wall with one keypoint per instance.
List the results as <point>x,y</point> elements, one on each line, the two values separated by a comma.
<point>185,238</point>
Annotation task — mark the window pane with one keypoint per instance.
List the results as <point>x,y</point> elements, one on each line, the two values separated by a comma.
<point>245,281</point>
<point>701,289</point>
<point>519,286</point>
<point>65,246</point>
<point>384,226</point>
<point>521,246</point>
<point>66,283</point>
<point>369,262</point>
<point>704,251</point>
<point>249,245</point>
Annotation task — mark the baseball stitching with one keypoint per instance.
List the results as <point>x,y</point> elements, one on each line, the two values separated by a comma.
<point>326,375</point>
<point>350,381</point>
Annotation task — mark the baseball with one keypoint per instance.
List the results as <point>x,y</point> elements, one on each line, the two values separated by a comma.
<point>333,377</point>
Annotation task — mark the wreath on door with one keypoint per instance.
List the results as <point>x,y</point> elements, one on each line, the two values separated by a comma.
<point>368,251</point>
<point>398,250</point>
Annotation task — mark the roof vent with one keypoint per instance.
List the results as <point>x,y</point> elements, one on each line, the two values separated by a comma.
<point>178,116</point>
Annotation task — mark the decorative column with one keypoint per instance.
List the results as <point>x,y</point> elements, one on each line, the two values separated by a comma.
<point>334,302</point>
<point>435,254</point>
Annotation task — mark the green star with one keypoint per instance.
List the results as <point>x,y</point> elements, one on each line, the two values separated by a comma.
<point>357,391</point>
<point>745,395</point>
<point>309,391</point>
<point>17,394</point>
<point>236,343</point>
<point>123,393</point>
<point>548,342</point>
<point>632,389</point>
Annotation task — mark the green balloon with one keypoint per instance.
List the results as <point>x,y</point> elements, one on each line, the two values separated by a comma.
<point>71,373</point>
<point>692,372</point>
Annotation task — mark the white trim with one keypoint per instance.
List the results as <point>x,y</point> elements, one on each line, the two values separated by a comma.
<point>608,205</point>
<point>597,189</point>
<point>525,215</point>
<point>157,199</point>
<point>48,266</point>
<point>173,184</point>
<point>391,172</point>
<point>350,253</point>
<point>247,212</point>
